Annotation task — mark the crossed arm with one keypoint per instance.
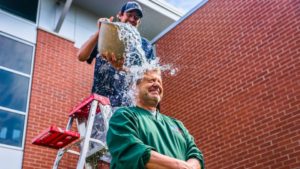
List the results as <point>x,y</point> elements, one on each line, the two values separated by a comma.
<point>159,161</point>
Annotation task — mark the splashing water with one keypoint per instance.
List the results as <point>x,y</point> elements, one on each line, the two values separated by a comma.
<point>134,53</point>
<point>135,59</point>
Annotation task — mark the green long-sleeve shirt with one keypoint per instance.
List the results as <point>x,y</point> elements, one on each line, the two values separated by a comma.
<point>134,132</point>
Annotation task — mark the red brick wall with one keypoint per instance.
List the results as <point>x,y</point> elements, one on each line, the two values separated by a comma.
<point>238,86</point>
<point>59,82</point>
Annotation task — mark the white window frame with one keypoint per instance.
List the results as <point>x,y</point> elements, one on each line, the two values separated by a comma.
<point>28,92</point>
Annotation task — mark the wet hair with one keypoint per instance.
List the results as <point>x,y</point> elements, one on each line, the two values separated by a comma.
<point>138,81</point>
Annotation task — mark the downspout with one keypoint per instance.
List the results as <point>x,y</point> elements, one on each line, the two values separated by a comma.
<point>63,15</point>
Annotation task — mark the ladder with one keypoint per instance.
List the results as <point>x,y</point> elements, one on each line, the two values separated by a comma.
<point>65,139</point>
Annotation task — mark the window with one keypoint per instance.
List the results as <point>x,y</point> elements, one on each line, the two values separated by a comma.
<point>15,55</point>
<point>11,128</point>
<point>24,8</point>
<point>15,76</point>
<point>13,89</point>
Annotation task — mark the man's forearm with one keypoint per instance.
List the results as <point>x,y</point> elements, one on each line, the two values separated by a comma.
<point>160,161</point>
<point>84,52</point>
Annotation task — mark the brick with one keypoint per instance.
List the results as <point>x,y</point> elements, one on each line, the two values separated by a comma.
<point>238,81</point>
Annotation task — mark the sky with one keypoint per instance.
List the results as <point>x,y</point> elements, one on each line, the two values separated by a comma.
<point>184,5</point>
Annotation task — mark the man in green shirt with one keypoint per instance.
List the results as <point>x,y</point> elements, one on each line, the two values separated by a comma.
<point>141,137</point>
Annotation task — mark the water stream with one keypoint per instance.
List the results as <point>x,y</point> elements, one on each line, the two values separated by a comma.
<point>136,62</point>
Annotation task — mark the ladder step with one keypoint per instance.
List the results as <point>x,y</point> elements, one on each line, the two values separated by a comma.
<point>83,108</point>
<point>55,137</point>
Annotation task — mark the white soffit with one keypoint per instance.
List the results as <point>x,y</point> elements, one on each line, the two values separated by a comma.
<point>163,8</point>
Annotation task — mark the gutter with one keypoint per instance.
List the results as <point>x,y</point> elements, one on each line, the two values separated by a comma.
<point>173,25</point>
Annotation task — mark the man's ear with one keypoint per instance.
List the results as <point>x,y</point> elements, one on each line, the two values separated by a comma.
<point>119,16</point>
<point>138,23</point>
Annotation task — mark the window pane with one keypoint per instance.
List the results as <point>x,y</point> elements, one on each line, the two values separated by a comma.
<point>11,128</point>
<point>15,55</point>
<point>23,8</point>
<point>13,90</point>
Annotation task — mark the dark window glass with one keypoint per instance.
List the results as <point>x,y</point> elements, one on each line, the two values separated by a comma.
<point>23,8</point>
<point>15,55</point>
<point>13,90</point>
<point>11,128</point>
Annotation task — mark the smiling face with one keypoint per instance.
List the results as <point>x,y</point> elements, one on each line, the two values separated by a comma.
<point>131,17</point>
<point>150,90</point>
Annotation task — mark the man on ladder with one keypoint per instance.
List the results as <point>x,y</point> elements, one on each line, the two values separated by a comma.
<point>109,80</point>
